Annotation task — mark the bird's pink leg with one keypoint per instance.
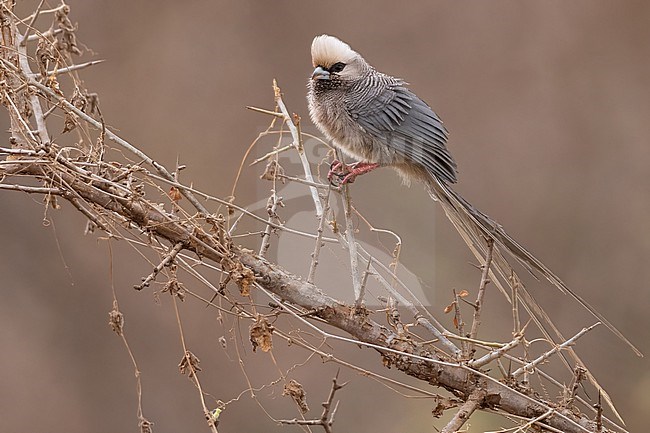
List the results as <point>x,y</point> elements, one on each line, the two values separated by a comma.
<point>358,169</point>
<point>348,173</point>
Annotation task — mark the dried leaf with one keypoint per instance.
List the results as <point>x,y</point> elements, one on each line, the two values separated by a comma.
<point>189,364</point>
<point>116,319</point>
<point>449,307</point>
<point>260,334</point>
<point>463,293</point>
<point>244,278</point>
<point>79,100</point>
<point>297,393</point>
<point>44,55</point>
<point>174,287</point>
<point>175,194</point>
<point>70,122</point>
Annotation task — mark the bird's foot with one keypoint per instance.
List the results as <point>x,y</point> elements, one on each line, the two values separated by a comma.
<point>348,173</point>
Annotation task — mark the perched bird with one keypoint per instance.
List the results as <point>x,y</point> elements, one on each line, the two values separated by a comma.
<point>376,119</point>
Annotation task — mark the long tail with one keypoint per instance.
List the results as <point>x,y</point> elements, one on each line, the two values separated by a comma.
<point>475,228</point>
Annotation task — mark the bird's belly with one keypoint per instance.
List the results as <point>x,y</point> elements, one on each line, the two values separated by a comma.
<point>360,146</point>
<point>356,148</point>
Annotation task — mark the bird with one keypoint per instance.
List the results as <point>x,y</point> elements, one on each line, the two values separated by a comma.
<point>377,120</point>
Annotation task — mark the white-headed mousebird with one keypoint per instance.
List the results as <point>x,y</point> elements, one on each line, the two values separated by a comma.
<point>375,119</point>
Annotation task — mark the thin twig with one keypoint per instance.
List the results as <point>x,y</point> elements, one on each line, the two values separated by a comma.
<point>72,68</point>
<point>352,245</point>
<point>304,182</point>
<point>34,16</point>
<point>47,11</point>
<point>32,189</point>
<point>271,209</point>
<point>47,34</point>
<point>315,255</point>
<point>270,113</point>
<point>529,422</point>
<point>460,325</point>
<point>273,152</point>
<point>599,413</point>
<point>494,354</point>
<point>23,61</point>
<point>19,151</point>
<point>476,322</point>
<point>531,365</point>
<point>168,259</point>
<point>364,279</point>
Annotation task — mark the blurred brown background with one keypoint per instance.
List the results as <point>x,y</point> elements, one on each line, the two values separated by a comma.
<point>548,103</point>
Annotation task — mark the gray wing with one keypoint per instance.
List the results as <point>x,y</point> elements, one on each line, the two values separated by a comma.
<point>405,123</point>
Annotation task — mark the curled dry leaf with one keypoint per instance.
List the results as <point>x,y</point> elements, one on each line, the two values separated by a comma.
<point>145,425</point>
<point>44,55</point>
<point>175,194</point>
<point>260,334</point>
<point>295,390</point>
<point>244,278</point>
<point>189,364</point>
<point>70,122</point>
<point>174,288</point>
<point>116,320</point>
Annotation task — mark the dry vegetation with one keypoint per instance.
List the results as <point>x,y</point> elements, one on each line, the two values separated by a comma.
<point>195,235</point>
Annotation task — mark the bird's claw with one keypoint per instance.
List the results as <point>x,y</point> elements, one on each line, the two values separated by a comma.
<point>339,171</point>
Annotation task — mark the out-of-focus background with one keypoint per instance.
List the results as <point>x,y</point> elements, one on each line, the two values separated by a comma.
<point>548,104</point>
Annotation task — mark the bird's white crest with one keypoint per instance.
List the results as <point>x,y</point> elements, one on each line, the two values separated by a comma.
<point>327,50</point>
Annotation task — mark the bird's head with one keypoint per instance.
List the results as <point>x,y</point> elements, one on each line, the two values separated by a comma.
<point>335,63</point>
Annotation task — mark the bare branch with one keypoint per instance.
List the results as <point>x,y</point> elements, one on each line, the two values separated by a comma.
<point>473,402</point>
<point>485,274</point>
<point>71,68</point>
<point>297,142</point>
<point>166,261</point>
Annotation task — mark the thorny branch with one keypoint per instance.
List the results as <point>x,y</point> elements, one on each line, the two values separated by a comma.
<point>112,194</point>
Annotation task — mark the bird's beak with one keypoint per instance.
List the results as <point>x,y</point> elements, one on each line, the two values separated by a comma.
<point>320,74</point>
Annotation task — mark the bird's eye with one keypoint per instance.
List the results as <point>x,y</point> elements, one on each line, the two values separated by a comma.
<point>337,67</point>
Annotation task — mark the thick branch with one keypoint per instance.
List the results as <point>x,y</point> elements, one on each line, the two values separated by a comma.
<point>406,355</point>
